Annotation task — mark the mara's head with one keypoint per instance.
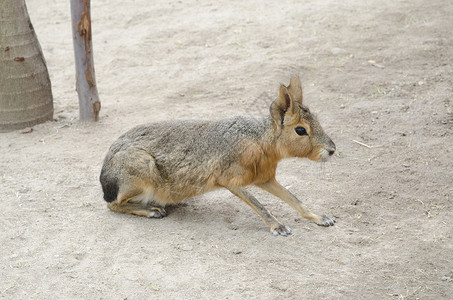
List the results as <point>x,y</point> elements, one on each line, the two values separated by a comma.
<point>299,134</point>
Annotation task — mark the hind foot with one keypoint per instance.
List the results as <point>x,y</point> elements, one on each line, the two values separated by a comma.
<point>326,221</point>
<point>157,212</point>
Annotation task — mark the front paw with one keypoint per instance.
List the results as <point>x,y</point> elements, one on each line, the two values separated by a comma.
<point>281,230</point>
<point>326,221</point>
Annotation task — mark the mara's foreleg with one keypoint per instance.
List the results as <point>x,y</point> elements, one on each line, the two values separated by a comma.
<point>275,188</point>
<point>276,227</point>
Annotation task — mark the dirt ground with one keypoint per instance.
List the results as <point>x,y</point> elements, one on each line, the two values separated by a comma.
<point>378,74</point>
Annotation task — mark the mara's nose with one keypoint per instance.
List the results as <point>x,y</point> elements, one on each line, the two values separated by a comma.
<point>332,148</point>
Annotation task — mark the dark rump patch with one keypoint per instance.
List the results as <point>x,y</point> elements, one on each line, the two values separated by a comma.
<point>109,187</point>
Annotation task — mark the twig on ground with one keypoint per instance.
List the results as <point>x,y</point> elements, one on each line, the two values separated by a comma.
<point>362,144</point>
<point>365,145</point>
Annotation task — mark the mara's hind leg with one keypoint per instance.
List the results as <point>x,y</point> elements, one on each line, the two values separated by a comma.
<point>137,202</point>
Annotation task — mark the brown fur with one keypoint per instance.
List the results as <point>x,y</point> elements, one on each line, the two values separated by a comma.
<point>158,164</point>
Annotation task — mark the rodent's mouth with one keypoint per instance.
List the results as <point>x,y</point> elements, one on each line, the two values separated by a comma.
<point>324,155</point>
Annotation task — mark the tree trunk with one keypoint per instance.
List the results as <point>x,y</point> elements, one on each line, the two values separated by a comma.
<point>89,104</point>
<point>25,90</point>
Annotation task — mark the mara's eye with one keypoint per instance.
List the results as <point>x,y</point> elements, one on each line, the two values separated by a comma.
<point>300,130</point>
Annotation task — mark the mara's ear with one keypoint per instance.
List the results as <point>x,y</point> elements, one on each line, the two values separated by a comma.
<point>295,89</point>
<point>283,105</point>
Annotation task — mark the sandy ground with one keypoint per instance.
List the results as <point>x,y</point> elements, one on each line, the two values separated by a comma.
<point>379,76</point>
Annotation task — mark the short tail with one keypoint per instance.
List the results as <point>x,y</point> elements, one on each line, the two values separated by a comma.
<point>109,186</point>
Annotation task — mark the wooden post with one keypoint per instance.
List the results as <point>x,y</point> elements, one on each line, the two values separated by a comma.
<point>25,89</point>
<point>89,104</point>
